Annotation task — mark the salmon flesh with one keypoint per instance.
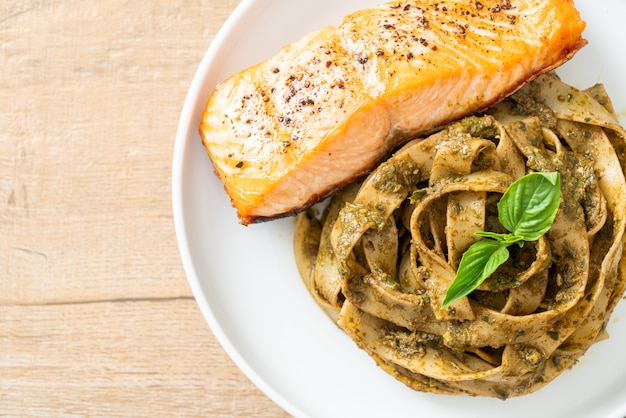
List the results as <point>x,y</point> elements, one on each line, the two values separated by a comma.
<point>291,130</point>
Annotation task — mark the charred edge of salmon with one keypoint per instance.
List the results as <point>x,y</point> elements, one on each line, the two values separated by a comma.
<point>565,56</point>
<point>249,220</point>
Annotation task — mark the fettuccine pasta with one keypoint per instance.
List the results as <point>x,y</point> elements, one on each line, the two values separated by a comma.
<point>380,258</point>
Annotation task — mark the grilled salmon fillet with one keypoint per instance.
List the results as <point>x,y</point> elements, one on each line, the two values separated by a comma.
<point>326,109</point>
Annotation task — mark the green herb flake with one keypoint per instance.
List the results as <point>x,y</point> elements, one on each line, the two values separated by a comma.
<point>417,196</point>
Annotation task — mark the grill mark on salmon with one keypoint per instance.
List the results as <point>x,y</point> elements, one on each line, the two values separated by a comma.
<point>289,131</point>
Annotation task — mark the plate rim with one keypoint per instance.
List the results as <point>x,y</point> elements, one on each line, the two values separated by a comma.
<point>181,148</point>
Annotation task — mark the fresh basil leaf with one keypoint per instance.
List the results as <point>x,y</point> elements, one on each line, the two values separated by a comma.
<point>528,208</point>
<point>494,235</point>
<point>503,238</point>
<point>479,261</point>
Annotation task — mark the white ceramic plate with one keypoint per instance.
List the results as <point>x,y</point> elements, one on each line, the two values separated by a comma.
<point>247,286</point>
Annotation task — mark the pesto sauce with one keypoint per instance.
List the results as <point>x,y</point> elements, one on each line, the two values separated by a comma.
<point>479,127</point>
<point>396,176</point>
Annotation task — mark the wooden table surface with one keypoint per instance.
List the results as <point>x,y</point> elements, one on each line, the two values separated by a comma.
<point>96,316</point>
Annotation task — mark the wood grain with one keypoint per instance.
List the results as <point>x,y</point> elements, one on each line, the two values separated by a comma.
<point>96,317</point>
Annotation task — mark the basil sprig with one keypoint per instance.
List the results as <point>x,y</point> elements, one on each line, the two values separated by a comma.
<point>527,210</point>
